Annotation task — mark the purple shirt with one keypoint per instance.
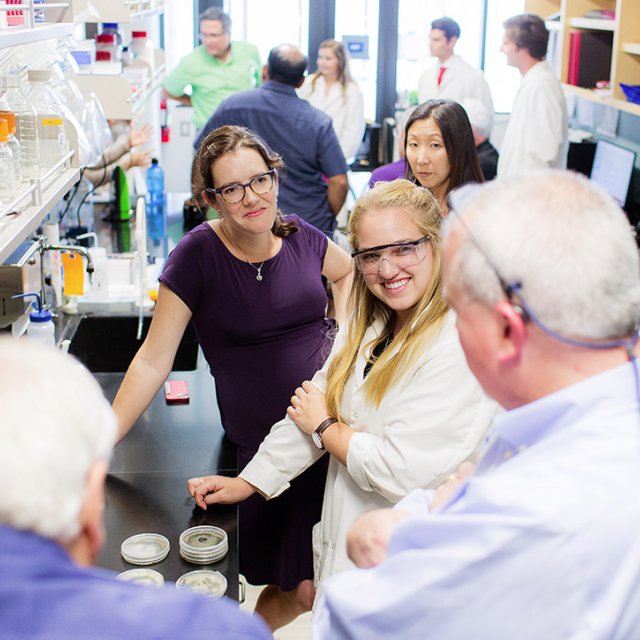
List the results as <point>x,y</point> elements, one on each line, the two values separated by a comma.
<point>389,172</point>
<point>261,339</point>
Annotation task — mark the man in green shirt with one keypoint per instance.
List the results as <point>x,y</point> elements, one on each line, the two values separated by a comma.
<point>215,69</point>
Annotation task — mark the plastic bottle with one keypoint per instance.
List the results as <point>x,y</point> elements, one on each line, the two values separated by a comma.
<point>53,139</point>
<point>13,143</point>
<point>41,326</point>
<point>112,28</point>
<point>7,172</point>
<point>26,125</point>
<point>108,42</point>
<point>126,56</point>
<point>155,188</point>
<point>138,43</point>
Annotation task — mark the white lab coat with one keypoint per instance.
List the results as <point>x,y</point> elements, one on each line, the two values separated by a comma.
<point>460,82</point>
<point>423,429</point>
<point>537,133</point>
<point>344,107</point>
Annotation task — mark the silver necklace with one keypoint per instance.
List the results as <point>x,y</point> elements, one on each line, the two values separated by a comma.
<point>258,269</point>
<point>259,277</point>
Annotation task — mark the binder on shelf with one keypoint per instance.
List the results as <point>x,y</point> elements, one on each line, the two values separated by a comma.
<point>589,58</point>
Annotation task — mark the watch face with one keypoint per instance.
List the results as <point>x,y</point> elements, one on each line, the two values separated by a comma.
<point>317,440</point>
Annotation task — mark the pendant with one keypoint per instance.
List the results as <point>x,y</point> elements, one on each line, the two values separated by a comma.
<point>259,277</point>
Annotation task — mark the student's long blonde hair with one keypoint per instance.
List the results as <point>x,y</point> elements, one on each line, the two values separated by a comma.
<point>425,319</point>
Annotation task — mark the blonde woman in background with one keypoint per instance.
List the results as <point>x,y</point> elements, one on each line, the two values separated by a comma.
<point>395,406</point>
<point>332,90</point>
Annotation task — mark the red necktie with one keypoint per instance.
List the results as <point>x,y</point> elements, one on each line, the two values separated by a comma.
<point>442,70</point>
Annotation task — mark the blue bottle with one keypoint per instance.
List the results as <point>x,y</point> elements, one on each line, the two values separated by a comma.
<point>155,188</point>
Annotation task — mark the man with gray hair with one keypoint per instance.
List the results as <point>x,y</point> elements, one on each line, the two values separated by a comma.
<point>541,540</point>
<point>216,69</point>
<point>56,435</point>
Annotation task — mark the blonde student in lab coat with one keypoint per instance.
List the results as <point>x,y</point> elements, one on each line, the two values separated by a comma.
<point>395,406</point>
<point>332,90</point>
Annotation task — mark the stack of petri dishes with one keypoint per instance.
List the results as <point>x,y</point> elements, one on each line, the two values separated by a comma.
<point>204,544</point>
<point>145,548</point>
<point>204,581</point>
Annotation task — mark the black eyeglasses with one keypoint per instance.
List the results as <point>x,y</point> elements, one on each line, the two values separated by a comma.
<point>398,254</point>
<point>235,192</point>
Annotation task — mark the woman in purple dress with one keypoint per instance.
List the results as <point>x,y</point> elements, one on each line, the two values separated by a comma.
<point>251,283</point>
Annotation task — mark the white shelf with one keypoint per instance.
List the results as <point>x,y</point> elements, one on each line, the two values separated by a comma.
<point>115,10</point>
<point>15,36</point>
<point>119,99</point>
<point>14,229</point>
<point>593,23</point>
<point>631,47</point>
<point>607,100</point>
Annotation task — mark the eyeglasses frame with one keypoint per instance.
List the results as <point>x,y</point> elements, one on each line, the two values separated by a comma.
<point>219,190</point>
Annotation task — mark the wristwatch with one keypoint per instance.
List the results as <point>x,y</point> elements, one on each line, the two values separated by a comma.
<point>316,436</point>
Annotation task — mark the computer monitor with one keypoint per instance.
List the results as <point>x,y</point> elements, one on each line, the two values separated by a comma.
<point>612,169</point>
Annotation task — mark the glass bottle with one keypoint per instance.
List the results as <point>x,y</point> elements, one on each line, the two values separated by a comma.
<point>7,173</point>
<point>26,124</point>
<point>53,139</point>
<point>13,143</point>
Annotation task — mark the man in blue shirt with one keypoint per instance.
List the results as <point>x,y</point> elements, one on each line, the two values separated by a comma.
<point>56,435</point>
<point>314,184</point>
<point>542,540</point>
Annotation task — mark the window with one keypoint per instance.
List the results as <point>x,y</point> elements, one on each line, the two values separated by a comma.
<point>503,80</point>
<point>360,17</point>
<point>414,25</point>
<point>268,24</point>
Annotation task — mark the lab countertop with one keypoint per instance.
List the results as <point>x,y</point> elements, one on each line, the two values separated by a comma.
<point>146,489</point>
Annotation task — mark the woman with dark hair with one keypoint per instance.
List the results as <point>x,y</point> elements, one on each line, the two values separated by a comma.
<point>332,90</point>
<point>250,282</point>
<point>440,150</point>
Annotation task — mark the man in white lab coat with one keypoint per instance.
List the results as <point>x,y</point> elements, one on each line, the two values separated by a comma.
<point>537,133</point>
<point>451,77</point>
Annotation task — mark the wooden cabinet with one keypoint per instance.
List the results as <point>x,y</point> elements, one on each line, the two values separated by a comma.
<point>623,32</point>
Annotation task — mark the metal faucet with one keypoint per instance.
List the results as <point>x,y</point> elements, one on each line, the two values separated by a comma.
<point>43,246</point>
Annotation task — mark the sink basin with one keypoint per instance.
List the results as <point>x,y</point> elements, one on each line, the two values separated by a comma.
<point>108,344</point>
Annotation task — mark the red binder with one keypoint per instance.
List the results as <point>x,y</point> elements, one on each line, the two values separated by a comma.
<point>574,57</point>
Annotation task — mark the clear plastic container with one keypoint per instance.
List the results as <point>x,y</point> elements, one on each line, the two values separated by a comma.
<point>53,139</point>
<point>7,172</point>
<point>112,28</point>
<point>41,327</point>
<point>108,42</point>
<point>13,143</point>
<point>138,43</point>
<point>16,101</point>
